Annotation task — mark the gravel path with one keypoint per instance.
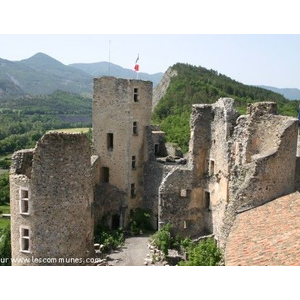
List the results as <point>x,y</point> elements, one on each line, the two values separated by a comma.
<point>132,253</point>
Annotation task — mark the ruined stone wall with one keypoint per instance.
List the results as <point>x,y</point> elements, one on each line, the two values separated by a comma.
<point>60,217</point>
<point>184,191</point>
<point>154,172</point>
<point>263,160</point>
<point>297,172</point>
<point>115,111</point>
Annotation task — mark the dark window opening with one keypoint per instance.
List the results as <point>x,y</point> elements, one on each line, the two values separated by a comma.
<point>207,200</point>
<point>206,170</point>
<point>156,149</point>
<point>24,194</point>
<point>24,201</point>
<point>135,128</point>
<point>133,192</point>
<point>25,245</point>
<point>105,175</point>
<point>212,168</point>
<point>110,141</point>
<point>133,162</point>
<point>25,239</point>
<point>25,232</point>
<point>25,206</point>
<point>136,95</point>
<point>115,222</point>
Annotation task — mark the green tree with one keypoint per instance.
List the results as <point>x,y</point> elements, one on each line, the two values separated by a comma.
<point>4,189</point>
<point>5,247</point>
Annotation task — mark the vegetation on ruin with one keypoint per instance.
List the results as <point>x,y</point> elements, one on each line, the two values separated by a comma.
<point>5,246</point>
<point>204,253</point>
<point>140,220</point>
<point>109,239</point>
<point>164,240</point>
<point>195,85</point>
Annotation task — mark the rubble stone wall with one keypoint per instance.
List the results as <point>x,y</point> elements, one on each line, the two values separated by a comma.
<point>60,218</point>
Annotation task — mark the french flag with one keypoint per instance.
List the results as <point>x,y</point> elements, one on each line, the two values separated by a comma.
<point>137,66</point>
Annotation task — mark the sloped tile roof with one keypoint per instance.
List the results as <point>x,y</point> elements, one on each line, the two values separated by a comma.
<point>268,235</point>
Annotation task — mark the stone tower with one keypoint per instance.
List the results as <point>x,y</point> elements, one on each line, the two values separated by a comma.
<point>51,193</point>
<point>121,112</point>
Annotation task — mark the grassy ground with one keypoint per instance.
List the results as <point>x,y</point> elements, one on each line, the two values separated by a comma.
<point>3,223</point>
<point>71,130</point>
<point>5,210</point>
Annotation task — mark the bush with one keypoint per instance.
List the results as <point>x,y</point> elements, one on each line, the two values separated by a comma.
<point>163,238</point>
<point>110,239</point>
<point>140,219</point>
<point>205,253</point>
<point>5,247</point>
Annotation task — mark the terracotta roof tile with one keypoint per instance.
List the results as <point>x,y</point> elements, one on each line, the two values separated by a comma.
<point>267,235</point>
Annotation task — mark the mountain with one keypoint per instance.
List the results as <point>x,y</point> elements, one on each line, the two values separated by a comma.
<point>42,74</point>
<point>102,69</point>
<point>288,93</point>
<point>185,85</point>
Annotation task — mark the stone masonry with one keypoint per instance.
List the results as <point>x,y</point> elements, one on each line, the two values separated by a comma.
<point>193,198</point>
<point>51,192</point>
<point>121,113</point>
<point>235,166</point>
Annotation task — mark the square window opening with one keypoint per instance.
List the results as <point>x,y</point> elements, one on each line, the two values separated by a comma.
<point>25,239</point>
<point>133,191</point>
<point>133,162</point>
<point>135,128</point>
<point>211,167</point>
<point>207,202</point>
<point>24,201</point>
<point>136,95</point>
<point>110,141</point>
<point>105,175</point>
<point>156,149</point>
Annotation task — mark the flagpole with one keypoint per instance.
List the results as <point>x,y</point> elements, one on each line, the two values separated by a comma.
<point>109,57</point>
<point>137,72</point>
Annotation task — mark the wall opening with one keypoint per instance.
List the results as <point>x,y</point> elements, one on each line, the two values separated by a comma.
<point>135,128</point>
<point>132,190</point>
<point>206,167</point>
<point>136,95</point>
<point>24,201</point>
<point>25,239</point>
<point>133,162</point>
<point>156,149</point>
<point>115,222</point>
<point>105,174</point>
<point>211,167</point>
<point>207,202</point>
<point>110,141</point>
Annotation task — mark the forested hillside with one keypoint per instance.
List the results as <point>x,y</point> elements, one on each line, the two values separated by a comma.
<point>23,120</point>
<point>199,85</point>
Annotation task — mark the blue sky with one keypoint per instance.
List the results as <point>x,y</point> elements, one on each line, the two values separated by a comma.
<point>252,59</point>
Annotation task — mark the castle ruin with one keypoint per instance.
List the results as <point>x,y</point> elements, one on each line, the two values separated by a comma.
<point>235,164</point>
